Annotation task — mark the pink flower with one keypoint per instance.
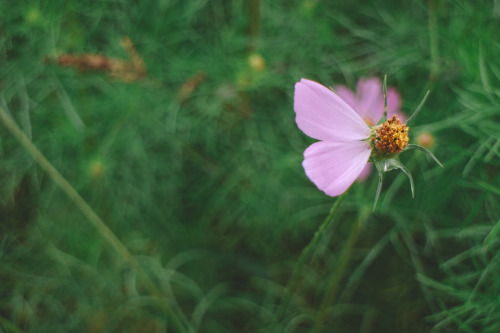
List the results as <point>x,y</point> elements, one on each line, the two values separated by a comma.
<point>349,138</point>
<point>335,162</point>
<point>368,102</point>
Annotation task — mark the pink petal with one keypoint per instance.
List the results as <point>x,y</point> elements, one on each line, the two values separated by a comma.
<point>324,116</point>
<point>370,99</point>
<point>365,172</point>
<point>334,166</point>
<point>347,95</point>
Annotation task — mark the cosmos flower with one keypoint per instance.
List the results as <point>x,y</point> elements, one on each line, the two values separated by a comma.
<point>347,142</point>
<point>368,102</point>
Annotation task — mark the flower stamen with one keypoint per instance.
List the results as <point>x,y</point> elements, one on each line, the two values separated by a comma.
<point>391,138</point>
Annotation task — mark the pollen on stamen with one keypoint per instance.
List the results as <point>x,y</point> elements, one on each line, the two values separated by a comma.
<point>392,137</point>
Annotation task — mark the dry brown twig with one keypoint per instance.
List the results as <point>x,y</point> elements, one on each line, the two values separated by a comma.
<point>129,70</point>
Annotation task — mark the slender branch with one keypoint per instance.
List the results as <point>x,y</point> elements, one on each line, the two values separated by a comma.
<point>434,43</point>
<point>304,256</point>
<point>254,24</point>
<point>385,98</point>
<point>338,273</point>
<point>66,187</point>
<point>89,213</point>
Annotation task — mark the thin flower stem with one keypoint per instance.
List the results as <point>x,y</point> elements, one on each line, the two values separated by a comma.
<point>9,326</point>
<point>92,217</point>
<point>434,43</point>
<point>304,256</point>
<point>254,24</point>
<point>385,97</point>
<point>491,235</point>
<point>384,90</point>
<point>338,273</point>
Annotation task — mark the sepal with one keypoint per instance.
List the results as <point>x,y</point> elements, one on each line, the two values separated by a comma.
<point>380,168</point>
<point>388,165</point>
<point>431,155</point>
<point>414,114</point>
<point>396,164</point>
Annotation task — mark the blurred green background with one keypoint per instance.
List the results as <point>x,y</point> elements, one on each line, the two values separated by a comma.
<point>195,166</point>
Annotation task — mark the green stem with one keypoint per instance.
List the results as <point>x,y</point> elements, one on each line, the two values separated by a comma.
<point>9,326</point>
<point>338,273</point>
<point>304,256</point>
<point>254,24</point>
<point>434,44</point>
<point>89,213</point>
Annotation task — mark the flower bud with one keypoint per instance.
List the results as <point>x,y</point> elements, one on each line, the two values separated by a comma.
<point>425,139</point>
<point>256,62</point>
<point>97,169</point>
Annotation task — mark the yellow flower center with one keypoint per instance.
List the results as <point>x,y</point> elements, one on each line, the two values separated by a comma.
<point>392,137</point>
